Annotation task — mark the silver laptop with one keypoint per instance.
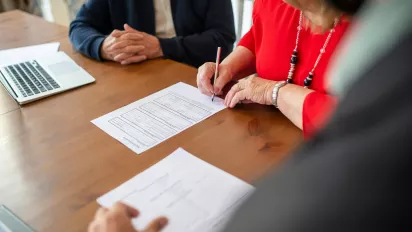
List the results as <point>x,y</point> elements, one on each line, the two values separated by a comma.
<point>34,79</point>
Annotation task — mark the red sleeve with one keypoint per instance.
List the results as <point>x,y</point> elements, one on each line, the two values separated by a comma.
<point>248,40</point>
<point>317,108</point>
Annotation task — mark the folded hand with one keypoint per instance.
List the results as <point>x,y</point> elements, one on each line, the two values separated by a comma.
<point>130,46</point>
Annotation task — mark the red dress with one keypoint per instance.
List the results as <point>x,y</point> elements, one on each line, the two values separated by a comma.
<point>272,39</point>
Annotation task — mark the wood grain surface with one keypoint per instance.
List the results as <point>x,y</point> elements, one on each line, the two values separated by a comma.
<point>54,163</point>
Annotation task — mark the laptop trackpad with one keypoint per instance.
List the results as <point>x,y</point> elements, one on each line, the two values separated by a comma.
<point>63,68</point>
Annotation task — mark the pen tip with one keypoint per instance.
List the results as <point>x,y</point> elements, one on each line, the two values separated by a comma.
<point>213,97</point>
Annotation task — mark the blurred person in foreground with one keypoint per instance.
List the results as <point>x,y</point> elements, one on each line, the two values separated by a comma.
<point>354,175</point>
<point>289,47</point>
<point>131,31</point>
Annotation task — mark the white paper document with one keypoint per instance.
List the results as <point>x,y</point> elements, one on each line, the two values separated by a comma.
<point>153,119</point>
<point>16,55</point>
<point>192,194</point>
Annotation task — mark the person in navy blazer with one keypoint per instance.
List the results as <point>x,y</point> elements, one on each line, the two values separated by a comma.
<point>124,31</point>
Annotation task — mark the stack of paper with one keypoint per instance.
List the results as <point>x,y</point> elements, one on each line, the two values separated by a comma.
<point>194,195</point>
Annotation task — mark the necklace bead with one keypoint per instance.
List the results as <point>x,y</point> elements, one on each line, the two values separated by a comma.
<point>308,81</point>
<point>294,59</point>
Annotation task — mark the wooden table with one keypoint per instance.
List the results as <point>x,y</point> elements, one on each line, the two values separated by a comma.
<point>54,163</point>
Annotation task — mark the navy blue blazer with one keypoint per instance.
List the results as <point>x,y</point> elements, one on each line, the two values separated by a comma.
<point>201,26</point>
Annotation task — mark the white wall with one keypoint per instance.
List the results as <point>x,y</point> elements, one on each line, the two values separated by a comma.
<point>243,16</point>
<point>247,16</point>
<point>55,11</point>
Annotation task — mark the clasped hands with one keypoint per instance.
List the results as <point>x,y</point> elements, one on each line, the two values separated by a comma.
<point>251,89</point>
<point>130,46</point>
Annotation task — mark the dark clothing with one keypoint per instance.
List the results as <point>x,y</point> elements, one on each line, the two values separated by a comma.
<point>201,27</point>
<point>355,175</point>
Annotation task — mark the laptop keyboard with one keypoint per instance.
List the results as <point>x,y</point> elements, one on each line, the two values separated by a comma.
<point>30,78</point>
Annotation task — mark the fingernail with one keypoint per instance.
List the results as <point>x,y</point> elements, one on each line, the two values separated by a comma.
<point>136,212</point>
<point>163,222</point>
<point>217,90</point>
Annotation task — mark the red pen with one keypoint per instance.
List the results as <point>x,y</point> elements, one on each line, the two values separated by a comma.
<point>219,51</point>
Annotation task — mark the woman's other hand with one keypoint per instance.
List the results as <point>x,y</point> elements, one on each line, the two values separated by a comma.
<point>251,89</point>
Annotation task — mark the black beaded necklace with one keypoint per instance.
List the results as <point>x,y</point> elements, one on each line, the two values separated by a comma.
<point>294,59</point>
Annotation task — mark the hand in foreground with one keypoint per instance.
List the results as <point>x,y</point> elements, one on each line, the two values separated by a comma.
<point>123,47</point>
<point>118,219</point>
<point>250,89</point>
<point>205,74</point>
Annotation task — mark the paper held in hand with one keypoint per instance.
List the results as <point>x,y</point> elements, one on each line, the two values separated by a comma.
<point>192,194</point>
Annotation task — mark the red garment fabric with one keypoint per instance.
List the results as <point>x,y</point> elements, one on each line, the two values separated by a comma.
<point>272,39</point>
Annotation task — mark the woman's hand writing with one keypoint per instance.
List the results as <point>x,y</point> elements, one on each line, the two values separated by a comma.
<point>205,74</point>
